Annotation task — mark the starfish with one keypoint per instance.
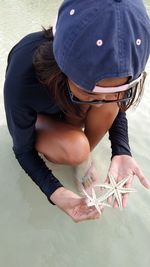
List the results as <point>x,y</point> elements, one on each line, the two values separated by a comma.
<point>94,201</point>
<point>115,189</point>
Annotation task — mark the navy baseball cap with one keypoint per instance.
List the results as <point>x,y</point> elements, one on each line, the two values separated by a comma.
<point>99,39</point>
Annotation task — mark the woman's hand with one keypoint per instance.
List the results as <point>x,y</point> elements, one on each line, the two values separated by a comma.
<point>75,206</point>
<point>121,167</point>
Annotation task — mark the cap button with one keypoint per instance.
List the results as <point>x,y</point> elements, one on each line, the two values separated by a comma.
<point>72,12</point>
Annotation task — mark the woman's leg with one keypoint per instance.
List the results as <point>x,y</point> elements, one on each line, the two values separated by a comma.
<point>64,143</point>
<point>98,122</point>
<point>61,143</point>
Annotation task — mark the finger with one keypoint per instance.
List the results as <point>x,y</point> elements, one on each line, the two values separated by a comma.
<point>96,217</point>
<point>125,196</point>
<point>84,206</point>
<point>80,200</point>
<point>143,180</point>
<point>92,209</point>
<point>124,200</point>
<point>90,216</point>
<point>107,181</point>
<point>102,209</point>
<point>119,178</point>
<point>109,200</point>
<point>115,204</point>
<point>84,203</point>
<point>93,215</point>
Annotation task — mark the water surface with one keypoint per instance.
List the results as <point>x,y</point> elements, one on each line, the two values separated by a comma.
<point>34,233</point>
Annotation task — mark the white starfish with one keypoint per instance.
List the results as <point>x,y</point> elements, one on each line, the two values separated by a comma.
<point>94,201</point>
<point>115,189</point>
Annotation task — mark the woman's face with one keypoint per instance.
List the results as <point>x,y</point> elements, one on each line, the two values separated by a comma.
<point>84,96</point>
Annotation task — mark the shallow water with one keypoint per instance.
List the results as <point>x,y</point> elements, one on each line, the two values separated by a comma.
<point>34,233</point>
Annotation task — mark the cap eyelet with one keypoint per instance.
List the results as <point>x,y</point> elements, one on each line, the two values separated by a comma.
<point>138,41</point>
<point>99,42</point>
<point>72,12</point>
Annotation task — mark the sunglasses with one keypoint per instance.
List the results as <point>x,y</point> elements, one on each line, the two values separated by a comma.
<point>124,93</point>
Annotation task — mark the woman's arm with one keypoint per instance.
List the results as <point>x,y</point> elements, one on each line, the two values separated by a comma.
<point>108,118</point>
<point>21,125</point>
<point>118,135</point>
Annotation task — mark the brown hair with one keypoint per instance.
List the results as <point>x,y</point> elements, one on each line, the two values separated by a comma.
<point>49,74</point>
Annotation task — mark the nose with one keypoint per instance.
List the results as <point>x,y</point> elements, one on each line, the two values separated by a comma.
<point>103,97</point>
<point>98,97</point>
<point>108,96</point>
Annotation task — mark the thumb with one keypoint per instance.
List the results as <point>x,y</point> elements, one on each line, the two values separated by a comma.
<point>84,201</point>
<point>78,201</point>
<point>143,180</point>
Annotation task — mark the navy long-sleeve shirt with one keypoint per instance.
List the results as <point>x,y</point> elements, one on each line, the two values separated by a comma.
<point>25,97</point>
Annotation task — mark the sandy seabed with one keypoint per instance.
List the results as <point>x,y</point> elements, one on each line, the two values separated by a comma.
<point>35,233</point>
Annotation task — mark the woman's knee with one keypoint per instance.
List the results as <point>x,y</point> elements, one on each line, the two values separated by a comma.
<point>78,150</point>
<point>71,149</point>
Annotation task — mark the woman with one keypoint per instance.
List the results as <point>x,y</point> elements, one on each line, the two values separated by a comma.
<point>65,89</point>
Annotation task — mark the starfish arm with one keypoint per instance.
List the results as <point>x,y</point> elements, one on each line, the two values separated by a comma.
<point>118,198</point>
<point>107,186</point>
<point>98,208</point>
<point>91,204</point>
<point>106,195</point>
<point>93,194</point>
<point>90,198</point>
<point>127,190</point>
<point>112,180</point>
<point>105,204</point>
<point>100,203</point>
<point>123,181</point>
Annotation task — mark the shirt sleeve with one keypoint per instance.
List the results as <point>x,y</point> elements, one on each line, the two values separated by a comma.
<point>21,125</point>
<point>118,135</point>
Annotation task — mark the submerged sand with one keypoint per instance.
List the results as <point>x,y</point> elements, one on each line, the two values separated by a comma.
<point>33,232</point>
